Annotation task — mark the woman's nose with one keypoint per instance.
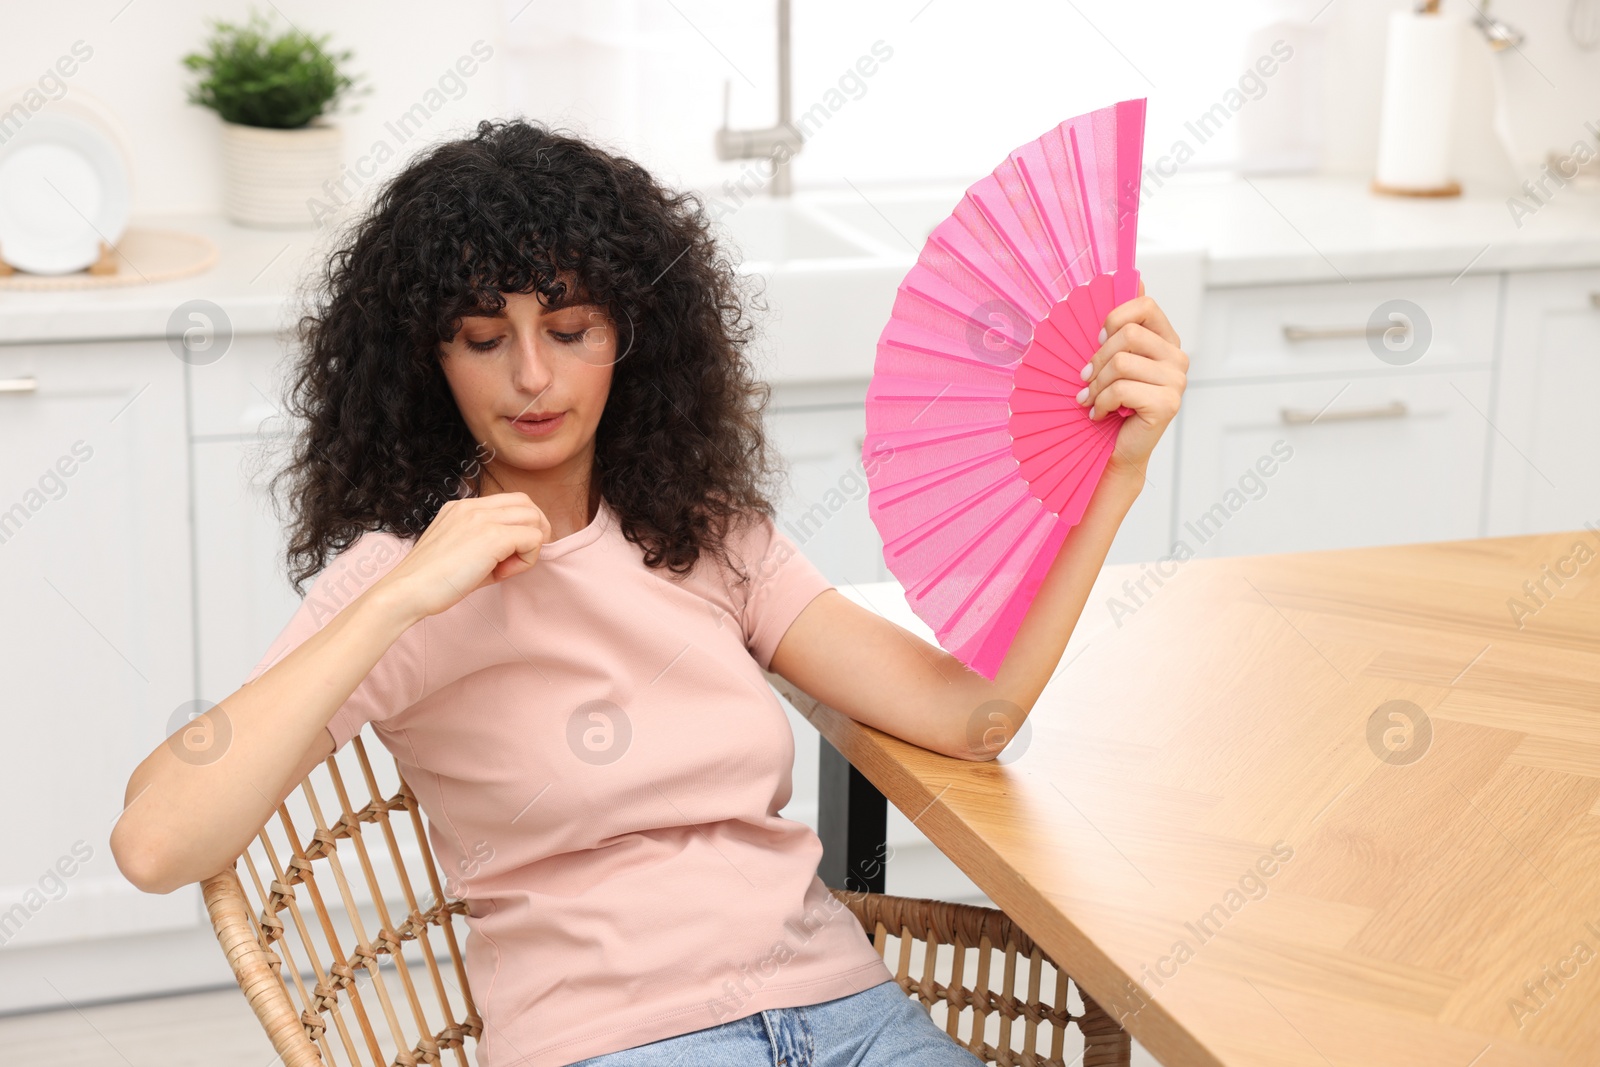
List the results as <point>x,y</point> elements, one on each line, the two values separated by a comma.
<point>532,368</point>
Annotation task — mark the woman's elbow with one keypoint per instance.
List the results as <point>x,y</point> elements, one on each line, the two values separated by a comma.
<point>140,862</point>
<point>990,729</point>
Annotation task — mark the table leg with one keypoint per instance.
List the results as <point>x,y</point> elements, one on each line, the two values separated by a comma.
<point>853,821</point>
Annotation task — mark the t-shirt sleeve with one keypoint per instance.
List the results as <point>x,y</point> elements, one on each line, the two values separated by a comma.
<point>782,582</point>
<point>396,680</point>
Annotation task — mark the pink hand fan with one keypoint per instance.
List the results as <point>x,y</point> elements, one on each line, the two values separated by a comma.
<point>982,458</point>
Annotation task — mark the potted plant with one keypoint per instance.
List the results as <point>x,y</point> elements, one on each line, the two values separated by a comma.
<point>273,94</point>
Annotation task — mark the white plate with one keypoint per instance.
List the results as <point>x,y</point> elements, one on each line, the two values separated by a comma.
<point>63,189</point>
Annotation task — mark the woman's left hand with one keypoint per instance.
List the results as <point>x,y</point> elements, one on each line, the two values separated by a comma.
<point>1141,366</point>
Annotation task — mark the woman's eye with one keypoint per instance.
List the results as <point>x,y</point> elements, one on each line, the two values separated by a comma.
<point>483,346</point>
<point>568,338</point>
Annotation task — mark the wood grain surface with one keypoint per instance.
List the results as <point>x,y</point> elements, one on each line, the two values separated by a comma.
<point>1322,809</point>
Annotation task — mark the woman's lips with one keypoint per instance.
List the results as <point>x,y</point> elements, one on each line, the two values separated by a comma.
<point>541,428</point>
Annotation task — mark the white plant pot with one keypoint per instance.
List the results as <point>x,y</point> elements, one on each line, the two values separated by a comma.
<point>271,176</point>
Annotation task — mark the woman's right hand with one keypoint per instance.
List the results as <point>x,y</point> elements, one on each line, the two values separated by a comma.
<point>472,542</point>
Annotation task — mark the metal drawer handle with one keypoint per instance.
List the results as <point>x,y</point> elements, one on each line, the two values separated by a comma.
<point>30,384</point>
<point>1394,409</point>
<point>1327,333</point>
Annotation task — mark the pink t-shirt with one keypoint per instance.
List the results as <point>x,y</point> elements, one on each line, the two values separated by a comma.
<point>601,764</point>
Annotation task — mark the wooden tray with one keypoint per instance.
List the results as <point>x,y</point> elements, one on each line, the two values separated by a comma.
<point>143,256</point>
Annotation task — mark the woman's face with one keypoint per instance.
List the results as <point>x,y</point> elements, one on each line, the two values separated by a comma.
<point>531,382</point>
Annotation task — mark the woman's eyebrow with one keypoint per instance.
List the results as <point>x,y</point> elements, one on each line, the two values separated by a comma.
<point>564,304</point>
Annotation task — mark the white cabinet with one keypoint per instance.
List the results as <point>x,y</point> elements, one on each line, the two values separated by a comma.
<point>243,597</point>
<point>825,509</point>
<point>1324,416</point>
<point>1543,474</point>
<point>1279,331</point>
<point>242,594</point>
<point>96,640</point>
<point>101,649</point>
<point>1331,463</point>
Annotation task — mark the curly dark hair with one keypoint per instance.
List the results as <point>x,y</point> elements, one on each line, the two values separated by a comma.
<point>680,449</point>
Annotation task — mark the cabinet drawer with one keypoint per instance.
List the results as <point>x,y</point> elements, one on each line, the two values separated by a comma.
<point>1339,328</point>
<point>1301,466</point>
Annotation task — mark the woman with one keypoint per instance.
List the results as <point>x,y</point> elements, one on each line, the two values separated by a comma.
<point>532,450</point>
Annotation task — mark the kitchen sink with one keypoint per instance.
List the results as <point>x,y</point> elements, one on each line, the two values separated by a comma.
<point>830,262</point>
<point>895,222</point>
<point>768,231</point>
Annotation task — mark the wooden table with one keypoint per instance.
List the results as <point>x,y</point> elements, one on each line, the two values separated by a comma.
<point>1332,809</point>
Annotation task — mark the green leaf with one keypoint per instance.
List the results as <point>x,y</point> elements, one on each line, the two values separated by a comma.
<point>250,77</point>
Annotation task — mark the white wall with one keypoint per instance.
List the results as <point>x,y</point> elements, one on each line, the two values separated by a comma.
<point>967,80</point>
<point>970,80</point>
<point>402,48</point>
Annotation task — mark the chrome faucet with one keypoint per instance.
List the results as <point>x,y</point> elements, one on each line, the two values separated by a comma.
<point>779,143</point>
<point>1499,35</point>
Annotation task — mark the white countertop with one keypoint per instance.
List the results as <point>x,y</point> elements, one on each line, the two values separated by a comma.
<point>256,271</point>
<point>1263,230</point>
<point>1252,231</point>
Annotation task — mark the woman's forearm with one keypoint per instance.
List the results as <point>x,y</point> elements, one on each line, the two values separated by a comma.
<point>186,816</point>
<point>1036,651</point>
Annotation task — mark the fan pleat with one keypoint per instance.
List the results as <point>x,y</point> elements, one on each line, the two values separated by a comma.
<point>1028,443</point>
<point>960,245</point>
<point>950,474</point>
<point>1128,160</point>
<point>986,628</point>
<point>978,197</point>
<point>1001,200</point>
<point>1100,297</point>
<point>960,305</point>
<point>896,389</point>
<point>965,248</point>
<point>905,461</point>
<point>931,353</point>
<point>1035,377</point>
<point>1055,157</point>
<point>1080,308</point>
<point>1008,548</point>
<point>1053,238</point>
<point>1087,205</point>
<point>914,537</point>
<point>1060,476</point>
<point>1061,352</point>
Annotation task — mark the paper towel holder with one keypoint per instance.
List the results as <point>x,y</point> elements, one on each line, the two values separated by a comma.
<point>1451,188</point>
<point>1418,104</point>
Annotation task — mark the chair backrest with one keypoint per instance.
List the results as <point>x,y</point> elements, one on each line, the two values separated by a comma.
<point>343,938</point>
<point>976,973</point>
<point>341,933</point>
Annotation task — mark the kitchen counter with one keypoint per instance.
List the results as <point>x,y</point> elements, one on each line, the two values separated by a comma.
<point>1265,230</point>
<point>1246,231</point>
<point>256,271</point>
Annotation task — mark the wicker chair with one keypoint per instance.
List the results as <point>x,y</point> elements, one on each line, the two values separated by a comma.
<point>334,978</point>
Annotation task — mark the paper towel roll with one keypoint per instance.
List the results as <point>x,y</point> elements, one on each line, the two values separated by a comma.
<point>1419,89</point>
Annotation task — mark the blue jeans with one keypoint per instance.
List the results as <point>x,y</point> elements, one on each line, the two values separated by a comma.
<point>877,1027</point>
